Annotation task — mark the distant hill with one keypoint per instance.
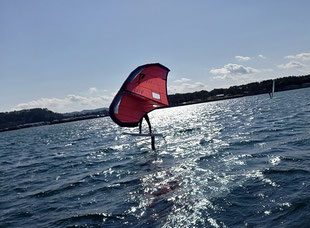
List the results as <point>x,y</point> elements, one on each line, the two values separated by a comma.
<point>42,116</point>
<point>11,120</point>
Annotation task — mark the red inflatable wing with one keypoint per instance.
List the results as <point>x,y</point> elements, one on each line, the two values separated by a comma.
<point>144,90</point>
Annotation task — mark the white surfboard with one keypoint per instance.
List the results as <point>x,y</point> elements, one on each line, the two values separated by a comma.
<point>142,134</point>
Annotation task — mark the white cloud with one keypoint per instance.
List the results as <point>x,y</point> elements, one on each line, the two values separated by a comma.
<point>231,70</point>
<point>92,90</point>
<point>242,58</point>
<point>185,85</point>
<point>292,65</point>
<point>182,80</point>
<point>68,104</point>
<point>262,56</point>
<point>301,56</point>
<point>44,103</point>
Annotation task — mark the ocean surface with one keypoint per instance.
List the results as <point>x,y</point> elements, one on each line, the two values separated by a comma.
<point>234,163</point>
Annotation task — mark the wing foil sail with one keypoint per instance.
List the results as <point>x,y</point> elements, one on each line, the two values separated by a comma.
<point>144,90</point>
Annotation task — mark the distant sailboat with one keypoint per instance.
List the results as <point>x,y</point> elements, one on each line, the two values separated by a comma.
<point>271,94</point>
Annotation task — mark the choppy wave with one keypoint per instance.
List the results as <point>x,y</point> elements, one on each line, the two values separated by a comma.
<point>234,163</point>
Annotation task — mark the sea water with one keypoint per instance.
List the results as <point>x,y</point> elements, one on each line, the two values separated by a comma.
<point>234,163</point>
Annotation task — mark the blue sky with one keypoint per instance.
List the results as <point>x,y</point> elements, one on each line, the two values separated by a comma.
<point>73,55</point>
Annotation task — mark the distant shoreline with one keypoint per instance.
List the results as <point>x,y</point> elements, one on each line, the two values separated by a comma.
<point>228,98</point>
<point>38,117</point>
<point>250,89</point>
<point>44,123</point>
<point>68,120</point>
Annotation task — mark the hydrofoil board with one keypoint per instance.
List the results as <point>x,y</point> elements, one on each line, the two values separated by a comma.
<point>142,134</point>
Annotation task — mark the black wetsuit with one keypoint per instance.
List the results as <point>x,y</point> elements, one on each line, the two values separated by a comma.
<point>150,129</point>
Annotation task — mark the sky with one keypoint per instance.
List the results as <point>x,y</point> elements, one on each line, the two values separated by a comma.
<point>73,55</point>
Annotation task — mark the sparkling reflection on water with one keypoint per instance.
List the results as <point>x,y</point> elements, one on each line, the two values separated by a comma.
<point>208,155</point>
<point>222,164</point>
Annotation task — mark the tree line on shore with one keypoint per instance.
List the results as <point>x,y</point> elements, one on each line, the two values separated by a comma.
<point>254,88</point>
<point>41,116</point>
<point>11,119</point>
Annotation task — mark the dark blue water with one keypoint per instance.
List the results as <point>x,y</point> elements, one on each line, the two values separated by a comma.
<point>234,163</point>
